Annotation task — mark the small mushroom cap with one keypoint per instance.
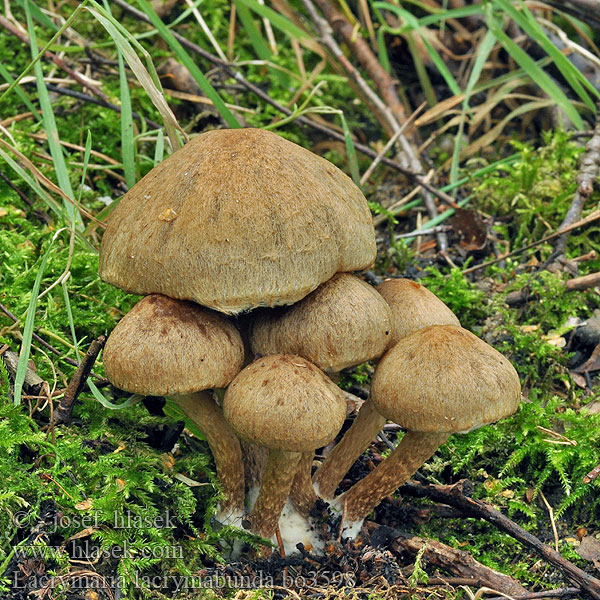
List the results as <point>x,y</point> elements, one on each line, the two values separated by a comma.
<point>413,307</point>
<point>343,323</point>
<point>166,347</point>
<point>284,402</point>
<point>236,219</point>
<point>444,379</point>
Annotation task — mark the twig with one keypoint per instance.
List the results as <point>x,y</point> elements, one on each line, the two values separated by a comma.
<point>33,383</point>
<point>259,93</point>
<point>589,169</point>
<point>594,216</point>
<point>558,593</point>
<point>57,61</point>
<point>460,563</point>
<point>387,87</point>
<point>458,495</point>
<point>592,475</point>
<point>576,284</point>
<point>45,344</point>
<point>87,98</point>
<point>64,410</point>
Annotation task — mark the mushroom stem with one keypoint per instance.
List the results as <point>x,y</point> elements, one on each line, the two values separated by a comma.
<point>276,484</point>
<point>356,440</point>
<point>302,494</point>
<point>201,409</point>
<point>414,450</point>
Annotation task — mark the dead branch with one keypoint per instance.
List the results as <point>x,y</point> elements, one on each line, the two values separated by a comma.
<point>594,216</point>
<point>460,564</point>
<point>417,175</point>
<point>576,284</point>
<point>101,380</point>
<point>55,59</point>
<point>459,496</point>
<point>589,169</point>
<point>63,412</point>
<point>33,383</point>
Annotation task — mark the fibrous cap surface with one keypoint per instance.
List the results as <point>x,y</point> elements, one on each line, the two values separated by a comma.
<point>343,323</point>
<point>237,219</point>
<point>284,402</point>
<point>444,379</point>
<point>167,347</point>
<point>413,307</point>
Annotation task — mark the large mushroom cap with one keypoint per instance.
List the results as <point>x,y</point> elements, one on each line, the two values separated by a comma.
<point>165,347</point>
<point>284,402</point>
<point>344,322</point>
<point>444,379</point>
<point>237,219</point>
<point>413,307</point>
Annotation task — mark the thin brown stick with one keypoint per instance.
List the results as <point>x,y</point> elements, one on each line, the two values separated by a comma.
<point>594,216</point>
<point>459,496</point>
<point>576,284</point>
<point>460,563</point>
<point>589,169</point>
<point>50,56</point>
<point>45,344</point>
<point>63,412</point>
<point>416,175</point>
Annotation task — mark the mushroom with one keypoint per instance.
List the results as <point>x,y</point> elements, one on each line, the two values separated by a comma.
<point>167,347</point>
<point>413,307</point>
<point>343,323</point>
<point>288,405</point>
<point>434,382</point>
<point>237,219</point>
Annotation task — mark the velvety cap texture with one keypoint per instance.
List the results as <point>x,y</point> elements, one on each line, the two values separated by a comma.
<point>444,379</point>
<point>167,347</point>
<point>343,323</point>
<point>236,219</point>
<point>284,402</point>
<point>413,307</point>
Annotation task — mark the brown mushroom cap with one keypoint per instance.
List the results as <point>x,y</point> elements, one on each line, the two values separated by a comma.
<point>343,323</point>
<point>284,403</point>
<point>444,379</point>
<point>413,307</point>
<point>237,219</point>
<point>166,347</point>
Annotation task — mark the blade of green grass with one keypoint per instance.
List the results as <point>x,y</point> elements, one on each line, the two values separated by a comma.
<point>56,151</point>
<point>147,76</point>
<point>538,75</point>
<point>159,150</point>
<point>483,51</point>
<point>187,61</point>
<point>29,323</point>
<point>20,92</point>
<point>127,141</point>
<point>526,21</point>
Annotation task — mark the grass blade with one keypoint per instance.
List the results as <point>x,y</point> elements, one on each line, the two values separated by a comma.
<point>186,59</point>
<point>146,76</point>
<point>29,323</point>
<point>56,151</point>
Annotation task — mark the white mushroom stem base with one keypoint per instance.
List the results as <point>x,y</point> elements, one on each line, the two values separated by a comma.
<point>414,450</point>
<point>276,484</point>
<point>201,409</point>
<point>367,424</point>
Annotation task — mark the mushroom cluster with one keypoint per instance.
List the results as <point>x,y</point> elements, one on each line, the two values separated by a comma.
<point>243,245</point>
